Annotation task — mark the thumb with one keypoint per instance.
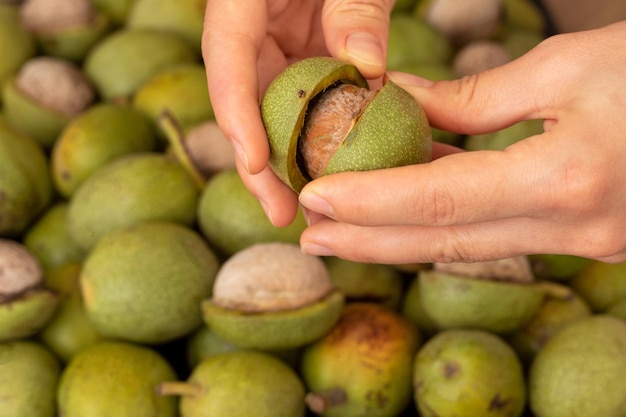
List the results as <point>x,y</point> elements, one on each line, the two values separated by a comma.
<point>357,32</point>
<point>484,102</point>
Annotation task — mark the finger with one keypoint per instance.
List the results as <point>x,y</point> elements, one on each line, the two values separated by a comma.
<point>442,149</point>
<point>439,150</point>
<point>467,243</point>
<point>278,201</point>
<point>231,44</point>
<point>357,32</point>
<point>493,99</point>
<point>459,188</point>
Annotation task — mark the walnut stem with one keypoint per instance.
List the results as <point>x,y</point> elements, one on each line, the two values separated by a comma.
<point>175,137</point>
<point>557,291</point>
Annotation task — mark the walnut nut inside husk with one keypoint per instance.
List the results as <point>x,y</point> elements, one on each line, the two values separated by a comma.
<point>271,276</point>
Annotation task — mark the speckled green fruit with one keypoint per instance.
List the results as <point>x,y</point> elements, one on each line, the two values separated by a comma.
<point>470,373</point>
<point>75,43</point>
<point>413,309</point>
<point>361,281</point>
<point>362,366</point>
<point>391,113</point>
<point>237,384</point>
<point>117,10</point>
<point>49,240</point>
<point>276,329</point>
<point>25,182</point>
<point>16,43</point>
<point>115,379</point>
<point>28,379</point>
<point>618,309</point>
<point>551,317</point>
<point>600,283</point>
<point>519,41</point>
<point>403,6</point>
<point>128,190</point>
<point>413,41</point>
<point>31,117</point>
<point>557,267</point>
<point>26,315</point>
<point>232,219</point>
<point>580,371</point>
<point>181,90</point>
<point>524,14</point>
<point>204,343</point>
<point>183,17</point>
<point>70,330</point>
<point>99,135</point>
<point>125,59</point>
<point>455,301</point>
<point>145,283</point>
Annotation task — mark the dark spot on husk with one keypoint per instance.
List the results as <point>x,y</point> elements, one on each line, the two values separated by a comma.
<point>378,397</point>
<point>451,369</point>
<point>498,403</point>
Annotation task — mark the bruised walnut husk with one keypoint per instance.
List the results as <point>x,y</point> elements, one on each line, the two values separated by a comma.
<point>271,277</point>
<point>56,84</point>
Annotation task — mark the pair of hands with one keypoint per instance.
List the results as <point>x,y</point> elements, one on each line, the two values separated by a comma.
<point>563,191</point>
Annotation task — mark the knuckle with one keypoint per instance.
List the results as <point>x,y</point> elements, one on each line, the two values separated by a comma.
<point>434,207</point>
<point>467,94</point>
<point>453,248</point>
<point>370,10</point>
<point>579,189</point>
<point>603,241</point>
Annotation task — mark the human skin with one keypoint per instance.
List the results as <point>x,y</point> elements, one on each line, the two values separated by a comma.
<point>559,192</point>
<point>244,48</point>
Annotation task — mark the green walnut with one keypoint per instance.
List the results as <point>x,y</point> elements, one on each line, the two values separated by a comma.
<point>26,304</point>
<point>16,43</point>
<point>321,118</point>
<point>271,296</point>
<point>29,378</point>
<point>65,29</point>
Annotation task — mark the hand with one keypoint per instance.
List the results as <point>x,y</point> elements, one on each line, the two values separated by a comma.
<point>563,191</point>
<point>245,45</point>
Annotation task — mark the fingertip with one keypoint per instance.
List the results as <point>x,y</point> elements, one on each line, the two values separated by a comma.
<point>278,201</point>
<point>357,32</point>
<point>404,79</point>
<point>365,51</point>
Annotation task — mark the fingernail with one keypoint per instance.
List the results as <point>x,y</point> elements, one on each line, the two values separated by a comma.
<point>311,217</point>
<point>241,153</point>
<point>314,202</point>
<point>316,250</point>
<point>364,47</point>
<point>403,78</point>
